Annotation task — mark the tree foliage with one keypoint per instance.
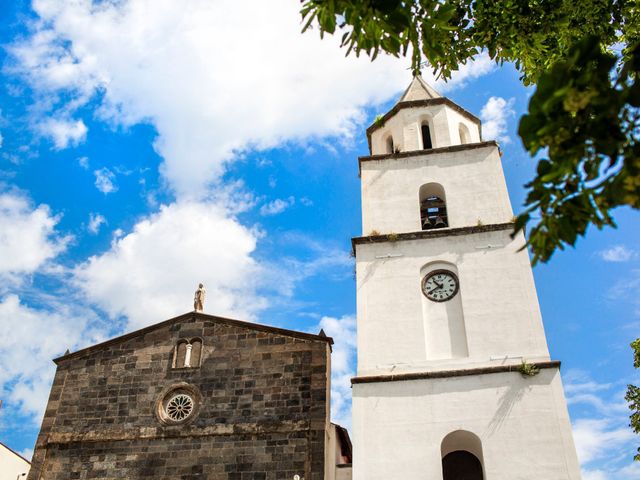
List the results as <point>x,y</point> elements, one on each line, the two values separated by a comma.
<point>583,118</point>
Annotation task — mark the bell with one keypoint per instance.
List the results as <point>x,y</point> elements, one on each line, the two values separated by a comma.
<point>439,223</point>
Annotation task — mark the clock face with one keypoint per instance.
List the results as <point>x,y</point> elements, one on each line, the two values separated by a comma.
<point>440,285</point>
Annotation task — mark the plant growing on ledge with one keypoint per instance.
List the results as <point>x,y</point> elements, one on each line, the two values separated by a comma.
<point>392,237</point>
<point>379,121</point>
<point>527,369</point>
<point>374,233</point>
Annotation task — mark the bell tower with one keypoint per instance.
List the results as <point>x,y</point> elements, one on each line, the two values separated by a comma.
<point>454,377</point>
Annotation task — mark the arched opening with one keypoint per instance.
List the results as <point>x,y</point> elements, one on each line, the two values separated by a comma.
<point>180,354</point>
<point>196,352</point>
<point>389,144</point>
<point>187,354</point>
<point>462,456</point>
<point>465,136</point>
<point>426,136</point>
<point>433,207</point>
<point>461,465</point>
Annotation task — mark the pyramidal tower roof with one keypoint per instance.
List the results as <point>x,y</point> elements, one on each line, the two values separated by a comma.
<point>419,90</point>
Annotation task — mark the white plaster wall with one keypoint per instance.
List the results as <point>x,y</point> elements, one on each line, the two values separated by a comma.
<point>12,465</point>
<point>405,125</point>
<point>472,179</point>
<point>497,292</point>
<point>523,424</point>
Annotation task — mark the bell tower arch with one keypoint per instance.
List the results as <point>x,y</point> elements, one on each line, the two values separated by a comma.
<point>447,311</point>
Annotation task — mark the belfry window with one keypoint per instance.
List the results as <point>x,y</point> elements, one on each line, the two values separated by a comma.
<point>433,207</point>
<point>426,137</point>
<point>187,354</point>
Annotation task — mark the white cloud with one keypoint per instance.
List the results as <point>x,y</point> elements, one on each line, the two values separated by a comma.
<point>343,332</point>
<point>618,253</point>
<point>25,353</point>
<point>95,222</point>
<point>64,133</point>
<point>494,115</point>
<point>151,273</point>
<point>594,475</point>
<point>84,162</point>
<point>277,206</point>
<point>597,438</point>
<point>27,235</point>
<point>1,140</point>
<point>197,73</point>
<point>105,180</point>
<point>627,289</point>
<point>604,442</point>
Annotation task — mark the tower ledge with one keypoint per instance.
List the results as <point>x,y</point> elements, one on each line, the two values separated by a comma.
<point>399,377</point>
<point>441,232</point>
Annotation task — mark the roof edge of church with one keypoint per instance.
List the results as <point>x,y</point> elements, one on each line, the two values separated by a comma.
<point>224,320</point>
<point>14,452</point>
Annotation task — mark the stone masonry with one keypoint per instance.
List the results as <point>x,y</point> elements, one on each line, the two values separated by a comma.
<point>261,406</point>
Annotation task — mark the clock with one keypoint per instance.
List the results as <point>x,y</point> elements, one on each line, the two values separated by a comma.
<point>440,285</point>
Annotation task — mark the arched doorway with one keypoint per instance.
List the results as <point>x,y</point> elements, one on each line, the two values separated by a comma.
<point>461,465</point>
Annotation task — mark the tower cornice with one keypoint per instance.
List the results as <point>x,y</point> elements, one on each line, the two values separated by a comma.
<point>403,377</point>
<point>423,234</point>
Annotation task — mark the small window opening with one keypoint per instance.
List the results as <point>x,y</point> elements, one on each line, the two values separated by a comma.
<point>390,144</point>
<point>426,137</point>
<point>433,213</point>
<point>465,136</point>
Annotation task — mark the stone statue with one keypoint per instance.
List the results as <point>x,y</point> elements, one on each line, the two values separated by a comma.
<point>198,299</point>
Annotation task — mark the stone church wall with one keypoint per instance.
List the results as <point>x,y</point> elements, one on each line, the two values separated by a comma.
<point>261,407</point>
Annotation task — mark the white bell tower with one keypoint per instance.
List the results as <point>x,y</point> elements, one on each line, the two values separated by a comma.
<point>448,311</point>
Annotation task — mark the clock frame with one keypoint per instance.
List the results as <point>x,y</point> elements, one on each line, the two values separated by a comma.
<point>432,274</point>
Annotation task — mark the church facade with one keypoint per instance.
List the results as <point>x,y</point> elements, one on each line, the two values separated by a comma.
<point>454,378</point>
<point>193,397</point>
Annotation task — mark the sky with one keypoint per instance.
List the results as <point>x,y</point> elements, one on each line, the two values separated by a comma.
<point>149,145</point>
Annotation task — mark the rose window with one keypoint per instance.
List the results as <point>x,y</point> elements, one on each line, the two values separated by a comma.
<point>179,407</point>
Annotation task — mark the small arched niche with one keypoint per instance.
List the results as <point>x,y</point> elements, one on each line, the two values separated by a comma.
<point>388,144</point>
<point>462,457</point>
<point>443,319</point>
<point>433,207</point>
<point>465,135</point>
<point>426,135</point>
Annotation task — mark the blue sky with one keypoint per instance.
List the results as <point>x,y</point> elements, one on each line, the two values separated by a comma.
<point>148,145</point>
